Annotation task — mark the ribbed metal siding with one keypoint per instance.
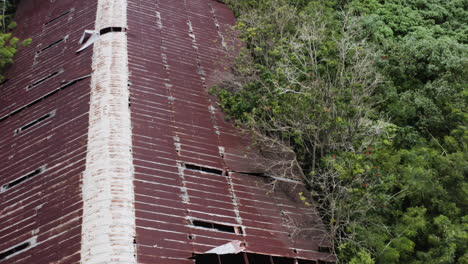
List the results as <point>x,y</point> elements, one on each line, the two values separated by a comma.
<point>176,54</point>
<point>47,205</point>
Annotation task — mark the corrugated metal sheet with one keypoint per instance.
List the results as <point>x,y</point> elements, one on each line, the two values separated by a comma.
<point>175,51</point>
<point>47,206</point>
<point>188,197</point>
<point>108,228</point>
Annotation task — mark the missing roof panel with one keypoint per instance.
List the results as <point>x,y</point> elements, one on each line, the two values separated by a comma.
<point>232,259</point>
<point>282,260</point>
<point>207,259</point>
<point>19,248</point>
<point>34,122</point>
<point>218,227</point>
<point>42,80</point>
<point>58,17</point>
<point>221,259</point>
<point>66,85</point>
<point>247,258</point>
<point>15,250</point>
<point>53,44</point>
<point>111,29</point>
<point>194,167</point>
<point>22,179</point>
<point>257,258</point>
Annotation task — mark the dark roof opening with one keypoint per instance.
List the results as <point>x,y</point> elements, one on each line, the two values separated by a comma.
<point>22,179</point>
<point>35,122</point>
<point>248,258</point>
<point>203,169</point>
<point>58,17</point>
<point>219,227</point>
<point>11,251</point>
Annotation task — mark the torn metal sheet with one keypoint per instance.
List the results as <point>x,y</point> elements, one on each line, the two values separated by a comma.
<point>90,36</point>
<point>232,247</point>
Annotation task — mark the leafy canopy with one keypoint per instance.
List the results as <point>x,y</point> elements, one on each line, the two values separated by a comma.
<point>371,97</point>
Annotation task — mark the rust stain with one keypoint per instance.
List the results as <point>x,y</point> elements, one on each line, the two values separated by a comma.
<point>47,206</point>
<point>175,50</point>
<point>180,141</point>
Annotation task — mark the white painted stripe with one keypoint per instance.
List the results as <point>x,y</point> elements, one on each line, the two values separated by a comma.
<point>108,229</point>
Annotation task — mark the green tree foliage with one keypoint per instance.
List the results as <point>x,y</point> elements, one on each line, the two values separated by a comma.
<point>8,43</point>
<point>371,97</point>
<point>424,58</point>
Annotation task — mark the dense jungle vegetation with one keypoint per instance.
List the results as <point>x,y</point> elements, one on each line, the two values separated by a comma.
<point>371,96</point>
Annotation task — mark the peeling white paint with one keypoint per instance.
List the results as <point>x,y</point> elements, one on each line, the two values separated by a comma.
<point>191,34</point>
<point>108,229</point>
<point>234,199</point>
<point>222,151</point>
<point>185,196</point>
<point>159,20</point>
<point>220,34</point>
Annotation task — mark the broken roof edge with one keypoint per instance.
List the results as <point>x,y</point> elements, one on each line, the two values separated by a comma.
<point>237,247</point>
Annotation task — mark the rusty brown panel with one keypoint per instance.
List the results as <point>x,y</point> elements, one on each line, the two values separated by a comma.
<point>32,65</point>
<point>281,216</point>
<point>49,204</point>
<point>52,199</point>
<point>175,55</point>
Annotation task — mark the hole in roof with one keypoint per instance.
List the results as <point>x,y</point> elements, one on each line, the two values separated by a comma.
<point>15,250</point>
<point>112,29</point>
<point>218,227</point>
<point>42,80</point>
<point>58,17</point>
<point>22,179</point>
<point>194,167</point>
<point>282,260</point>
<point>34,122</point>
<point>70,83</point>
<point>257,258</point>
<point>53,44</point>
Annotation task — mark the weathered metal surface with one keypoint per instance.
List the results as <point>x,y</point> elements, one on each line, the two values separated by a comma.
<point>47,206</point>
<point>183,159</point>
<point>232,247</point>
<point>175,54</point>
<point>108,229</point>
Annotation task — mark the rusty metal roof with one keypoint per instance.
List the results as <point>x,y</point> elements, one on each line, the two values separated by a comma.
<point>190,194</point>
<point>175,54</point>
